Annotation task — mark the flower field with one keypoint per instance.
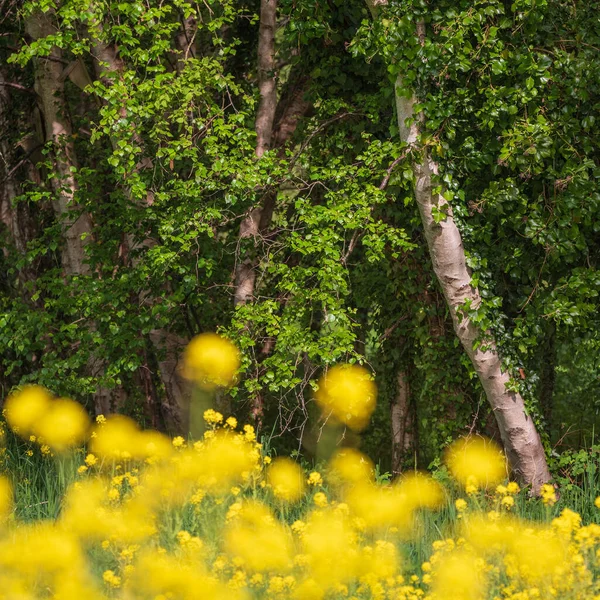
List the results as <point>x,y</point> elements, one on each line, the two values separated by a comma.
<point>107,510</point>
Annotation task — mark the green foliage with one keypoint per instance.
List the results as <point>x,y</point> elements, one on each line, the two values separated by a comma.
<point>166,170</point>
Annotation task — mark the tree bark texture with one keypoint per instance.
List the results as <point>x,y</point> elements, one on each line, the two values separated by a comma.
<point>521,440</point>
<point>402,421</point>
<point>267,83</point>
<point>49,86</point>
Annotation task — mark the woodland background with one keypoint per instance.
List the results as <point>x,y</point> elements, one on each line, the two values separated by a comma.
<point>171,167</point>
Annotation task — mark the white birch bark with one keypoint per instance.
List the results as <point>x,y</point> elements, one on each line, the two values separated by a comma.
<point>519,435</point>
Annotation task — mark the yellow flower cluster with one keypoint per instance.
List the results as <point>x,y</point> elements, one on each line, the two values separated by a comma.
<point>153,518</point>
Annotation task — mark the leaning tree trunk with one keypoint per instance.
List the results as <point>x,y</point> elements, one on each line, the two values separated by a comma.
<point>521,440</point>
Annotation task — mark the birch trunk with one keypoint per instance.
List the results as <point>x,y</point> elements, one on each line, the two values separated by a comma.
<point>521,440</point>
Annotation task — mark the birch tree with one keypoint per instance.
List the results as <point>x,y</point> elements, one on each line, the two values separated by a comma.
<point>519,435</point>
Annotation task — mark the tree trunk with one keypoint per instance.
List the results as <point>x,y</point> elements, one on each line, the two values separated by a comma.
<point>49,85</point>
<point>521,440</point>
<point>50,74</point>
<point>267,84</point>
<point>402,421</point>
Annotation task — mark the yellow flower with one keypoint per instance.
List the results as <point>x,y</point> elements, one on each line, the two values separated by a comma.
<point>259,539</point>
<point>231,422</point>
<point>111,579</point>
<point>459,577</point>
<point>513,487</point>
<point>349,394</point>
<point>508,502</point>
<point>178,442</point>
<point>548,494</point>
<point>25,408</point>
<point>64,424</point>
<point>476,462</point>
<point>320,499</point>
<point>82,469</point>
<point>6,498</point>
<point>287,479</point>
<point>90,460</point>
<point>211,361</point>
<point>349,466</point>
<point>213,417</point>
<point>461,504</point>
<point>315,479</point>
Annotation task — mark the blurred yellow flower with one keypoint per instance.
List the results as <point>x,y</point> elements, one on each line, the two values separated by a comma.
<point>256,537</point>
<point>65,424</point>
<point>286,479</point>
<point>476,462</point>
<point>211,361</point>
<point>116,438</point>
<point>349,394</point>
<point>459,576</point>
<point>320,499</point>
<point>349,466</point>
<point>24,409</point>
<point>6,498</point>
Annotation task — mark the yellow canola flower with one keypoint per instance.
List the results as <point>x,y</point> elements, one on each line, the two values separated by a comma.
<point>6,498</point>
<point>41,548</point>
<point>394,505</point>
<point>548,494</point>
<point>116,438</point>
<point>349,394</point>
<point>459,576</point>
<point>157,575</point>
<point>286,479</point>
<point>379,561</point>
<point>211,361</point>
<point>331,549</point>
<point>536,554</point>
<point>476,463</point>
<point>349,466</point>
<point>256,538</point>
<point>64,424</point>
<point>23,409</point>
<point>119,438</point>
